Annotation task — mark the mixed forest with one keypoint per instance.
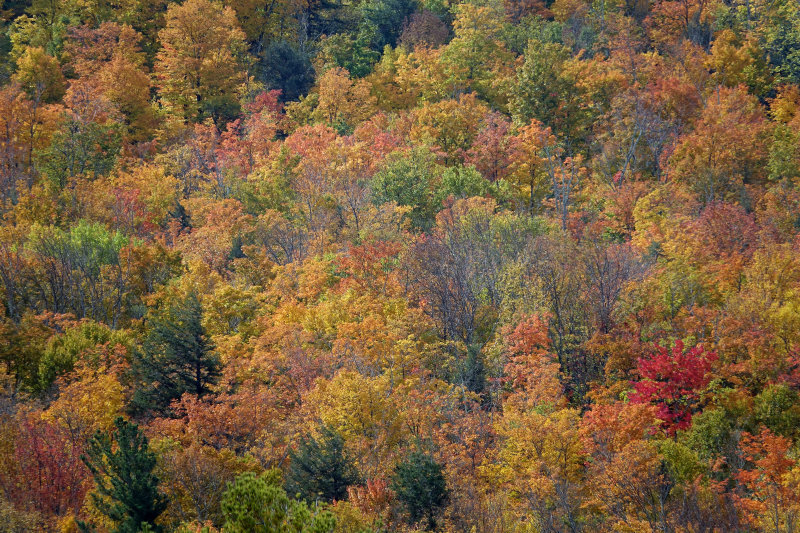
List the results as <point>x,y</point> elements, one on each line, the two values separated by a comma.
<point>369,266</point>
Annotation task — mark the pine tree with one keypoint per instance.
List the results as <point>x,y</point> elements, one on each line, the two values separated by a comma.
<point>126,490</point>
<point>259,505</point>
<point>472,371</point>
<point>176,358</point>
<point>420,486</point>
<point>321,468</point>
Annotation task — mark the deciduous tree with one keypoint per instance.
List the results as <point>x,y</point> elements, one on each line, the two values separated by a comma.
<point>201,63</point>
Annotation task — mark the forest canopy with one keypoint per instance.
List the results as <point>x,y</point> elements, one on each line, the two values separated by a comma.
<point>372,266</point>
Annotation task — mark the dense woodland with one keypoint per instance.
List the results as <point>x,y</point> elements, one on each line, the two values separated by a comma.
<point>372,266</point>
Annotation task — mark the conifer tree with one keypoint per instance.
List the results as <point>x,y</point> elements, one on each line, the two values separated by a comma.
<point>421,487</point>
<point>126,490</point>
<point>259,505</point>
<point>176,358</point>
<point>321,468</point>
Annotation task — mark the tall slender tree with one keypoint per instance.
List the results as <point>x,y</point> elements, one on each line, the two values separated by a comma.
<point>321,468</point>
<point>176,358</point>
<point>421,487</point>
<point>126,490</point>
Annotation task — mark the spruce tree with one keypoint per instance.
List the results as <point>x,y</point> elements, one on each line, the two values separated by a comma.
<point>420,486</point>
<point>176,358</point>
<point>126,490</point>
<point>321,468</point>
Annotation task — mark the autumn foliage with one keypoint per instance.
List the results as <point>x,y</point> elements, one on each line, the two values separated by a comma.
<point>674,380</point>
<point>399,266</point>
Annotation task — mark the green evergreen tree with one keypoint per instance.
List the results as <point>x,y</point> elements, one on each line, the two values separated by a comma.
<point>321,468</point>
<point>259,505</point>
<point>385,19</point>
<point>176,358</point>
<point>126,490</point>
<point>472,370</point>
<point>421,488</point>
<point>288,69</point>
